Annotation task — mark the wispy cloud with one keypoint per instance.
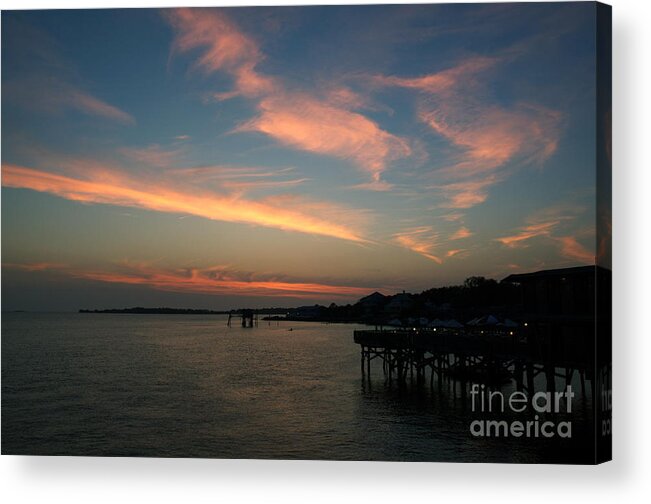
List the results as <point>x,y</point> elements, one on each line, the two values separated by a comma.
<point>461,233</point>
<point>445,81</point>
<point>58,96</point>
<point>153,155</point>
<point>528,232</point>
<point>488,136</point>
<point>37,266</point>
<point>454,252</point>
<point>291,213</point>
<point>491,136</point>
<point>84,102</point>
<point>38,78</point>
<point>422,240</point>
<point>241,179</point>
<point>215,280</point>
<point>572,249</point>
<point>324,123</point>
<point>248,185</point>
<point>551,224</point>
<point>224,47</point>
<point>465,194</point>
<point>303,122</point>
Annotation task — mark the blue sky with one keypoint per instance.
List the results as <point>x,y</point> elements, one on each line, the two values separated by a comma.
<point>283,156</point>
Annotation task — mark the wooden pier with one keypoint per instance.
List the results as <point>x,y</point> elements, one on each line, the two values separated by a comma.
<point>249,318</point>
<point>492,356</point>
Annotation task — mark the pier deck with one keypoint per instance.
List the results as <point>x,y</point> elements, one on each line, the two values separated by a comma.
<point>487,355</point>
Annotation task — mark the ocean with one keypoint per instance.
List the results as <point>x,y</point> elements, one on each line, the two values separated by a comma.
<point>189,386</point>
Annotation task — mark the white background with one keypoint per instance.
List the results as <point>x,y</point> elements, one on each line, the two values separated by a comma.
<point>627,479</point>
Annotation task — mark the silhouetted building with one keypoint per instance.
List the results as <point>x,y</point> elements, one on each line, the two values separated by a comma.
<point>558,311</point>
<point>558,293</point>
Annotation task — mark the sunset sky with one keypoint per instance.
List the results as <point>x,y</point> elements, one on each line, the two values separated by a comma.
<point>224,158</point>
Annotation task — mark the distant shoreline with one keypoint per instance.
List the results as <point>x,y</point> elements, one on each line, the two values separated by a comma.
<point>156,311</point>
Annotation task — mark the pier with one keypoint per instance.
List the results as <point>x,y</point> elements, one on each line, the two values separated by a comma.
<point>249,318</point>
<point>555,336</point>
<point>487,356</point>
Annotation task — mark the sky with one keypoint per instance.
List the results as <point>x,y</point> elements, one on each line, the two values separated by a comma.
<point>231,157</point>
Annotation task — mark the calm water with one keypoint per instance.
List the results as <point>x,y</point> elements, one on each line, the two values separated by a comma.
<point>188,386</point>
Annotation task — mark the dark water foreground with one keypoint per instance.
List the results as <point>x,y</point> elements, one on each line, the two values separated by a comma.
<point>188,386</point>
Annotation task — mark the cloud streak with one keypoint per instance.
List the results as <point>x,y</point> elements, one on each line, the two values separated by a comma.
<point>528,232</point>
<point>547,224</point>
<point>39,79</point>
<point>58,96</point>
<point>467,193</point>
<point>488,136</point>
<point>421,240</point>
<point>112,187</point>
<point>572,249</point>
<point>153,155</point>
<point>217,280</point>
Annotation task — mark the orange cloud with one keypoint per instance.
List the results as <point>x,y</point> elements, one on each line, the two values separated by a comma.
<point>466,194</point>
<point>305,123</point>
<point>572,249</point>
<point>197,283</point>
<point>462,232</point>
<point>420,240</point>
<point>546,223</point>
<point>215,280</point>
<point>528,232</point>
<point>117,188</point>
<point>542,223</point>
<point>453,252</point>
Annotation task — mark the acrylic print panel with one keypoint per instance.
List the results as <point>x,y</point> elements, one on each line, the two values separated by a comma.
<point>342,233</point>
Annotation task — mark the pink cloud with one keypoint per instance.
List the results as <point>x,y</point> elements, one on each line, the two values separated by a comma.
<point>444,81</point>
<point>487,136</point>
<point>309,124</point>
<point>324,124</point>
<point>493,136</point>
<point>224,48</point>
